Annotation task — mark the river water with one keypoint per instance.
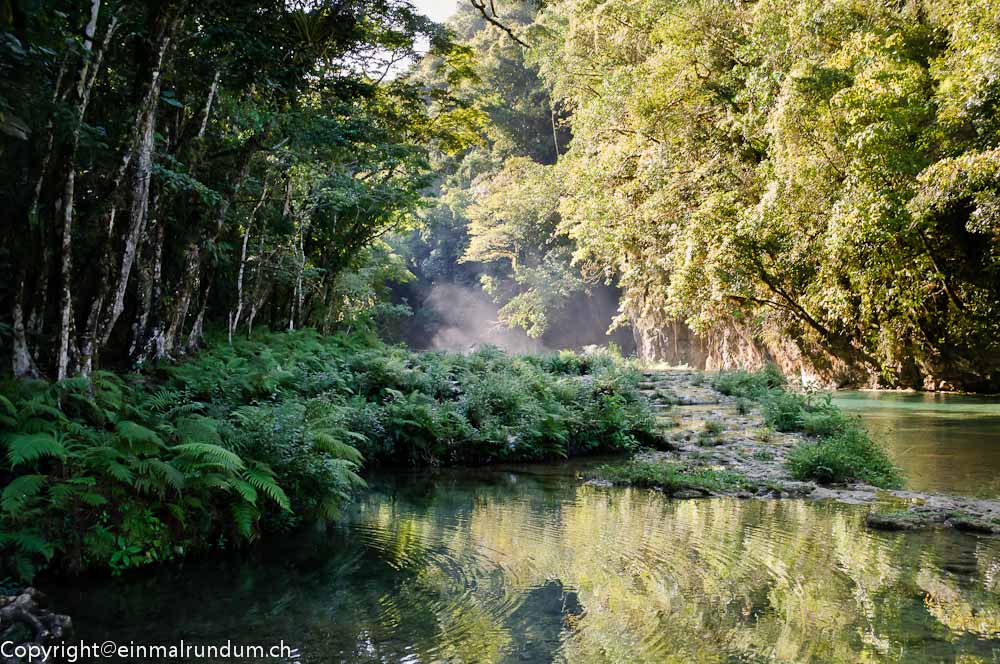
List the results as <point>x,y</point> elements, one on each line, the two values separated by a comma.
<point>528,564</point>
<point>947,443</point>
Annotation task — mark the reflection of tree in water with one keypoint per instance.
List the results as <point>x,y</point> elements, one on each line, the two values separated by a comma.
<point>698,580</point>
<point>540,569</point>
<point>536,625</point>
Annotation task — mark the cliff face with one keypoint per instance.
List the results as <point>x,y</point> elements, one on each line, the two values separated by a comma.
<point>735,346</point>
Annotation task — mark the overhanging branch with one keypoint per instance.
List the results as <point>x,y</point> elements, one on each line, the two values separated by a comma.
<point>492,18</point>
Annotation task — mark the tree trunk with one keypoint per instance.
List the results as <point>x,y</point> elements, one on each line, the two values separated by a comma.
<point>24,365</point>
<point>195,250</point>
<point>234,316</point>
<point>85,84</point>
<point>101,322</point>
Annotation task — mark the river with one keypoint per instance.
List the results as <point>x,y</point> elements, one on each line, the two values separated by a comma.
<point>528,564</point>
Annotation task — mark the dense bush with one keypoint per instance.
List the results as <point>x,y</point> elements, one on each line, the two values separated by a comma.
<point>124,471</point>
<point>844,456</point>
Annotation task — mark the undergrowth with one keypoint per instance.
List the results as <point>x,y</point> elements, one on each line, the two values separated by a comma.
<point>121,471</point>
<point>837,448</point>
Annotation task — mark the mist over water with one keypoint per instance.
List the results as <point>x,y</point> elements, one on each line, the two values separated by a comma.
<point>468,318</point>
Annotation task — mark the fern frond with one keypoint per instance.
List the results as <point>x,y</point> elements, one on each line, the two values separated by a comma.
<point>28,447</point>
<point>199,429</point>
<point>329,443</point>
<point>244,517</point>
<point>29,541</point>
<point>138,437</point>
<point>214,454</point>
<point>246,491</point>
<point>262,479</point>
<point>7,406</point>
<point>155,476</point>
<point>20,490</point>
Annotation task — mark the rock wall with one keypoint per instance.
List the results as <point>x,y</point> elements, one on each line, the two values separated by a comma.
<point>735,346</point>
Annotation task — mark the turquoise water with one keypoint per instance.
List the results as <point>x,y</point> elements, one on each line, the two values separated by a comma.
<point>944,442</point>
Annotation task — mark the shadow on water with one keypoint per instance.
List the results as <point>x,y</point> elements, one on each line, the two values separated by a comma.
<point>528,565</point>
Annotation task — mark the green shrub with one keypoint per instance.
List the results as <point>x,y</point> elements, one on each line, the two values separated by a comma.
<point>714,426</point>
<point>848,455</point>
<point>783,411</point>
<point>750,385</point>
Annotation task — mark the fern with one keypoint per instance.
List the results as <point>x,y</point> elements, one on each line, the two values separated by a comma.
<point>327,442</point>
<point>212,454</point>
<point>64,494</point>
<point>246,491</point>
<point>199,429</point>
<point>28,541</point>
<point>20,490</point>
<point>25,448</point>
<point>262,478</point>
<point>244,518</point>
<point>156,475</point>
<point>138,437</point>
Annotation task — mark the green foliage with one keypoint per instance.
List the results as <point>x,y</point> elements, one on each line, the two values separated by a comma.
<point>672,477</point>
<point>848,455</point>
<point>714,427</point>
<point>749,385</point>
<point>819,175</point>
<point>784,411</point>
<point>267,434</point>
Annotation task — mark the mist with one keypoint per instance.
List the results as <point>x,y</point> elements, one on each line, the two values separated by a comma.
<point>468,318</point>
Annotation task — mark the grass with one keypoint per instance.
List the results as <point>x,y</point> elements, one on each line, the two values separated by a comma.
<point>672,477</point>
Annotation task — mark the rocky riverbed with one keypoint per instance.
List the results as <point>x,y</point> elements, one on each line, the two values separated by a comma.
<point>708,430</point>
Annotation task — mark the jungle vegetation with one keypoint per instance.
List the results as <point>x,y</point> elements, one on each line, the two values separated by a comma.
<point>821,175</point>
<point>816,179</point>
<point>264,435</point>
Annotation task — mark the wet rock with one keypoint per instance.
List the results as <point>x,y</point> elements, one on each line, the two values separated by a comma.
<point>973,524</point>
<point>687,493</point>
<point>904,520</point>
<point>23,620</point>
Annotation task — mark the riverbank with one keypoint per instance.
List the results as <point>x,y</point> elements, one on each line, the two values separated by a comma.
<point>721,445</point>
<point>240,442</point>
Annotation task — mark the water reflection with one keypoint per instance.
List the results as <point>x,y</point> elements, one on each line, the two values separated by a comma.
<point>943,442</point>
<point>522,567</point>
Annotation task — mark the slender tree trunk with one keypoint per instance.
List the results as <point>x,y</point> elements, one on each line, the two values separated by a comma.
<point>66,255</point>
<point>24,365</point>
<point>149,343</point>
<point>258,295</point>
<point>101,322</point>
<point>195,251</point>
<point>208,105</point>
<point>145,266</point>
<point>234,316</point>
<point>198,328</point>
<point>85,85</point>
<point>296,308</point>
